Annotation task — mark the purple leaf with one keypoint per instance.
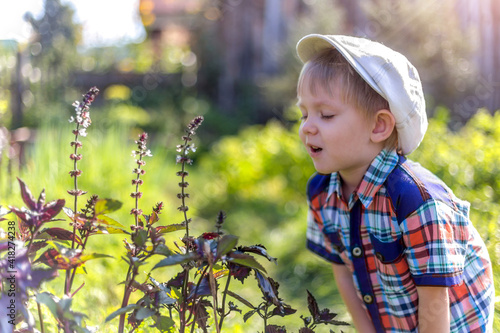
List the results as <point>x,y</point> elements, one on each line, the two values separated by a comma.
<point>51,209</point>
<point>203,289</point>
<point>239,272</point>
<point>283,310</point>
<point>275,329</point>
<point>23,215</point>
<point>324,316</point>
<point>41,200</point>
<point>245,260</point>
<point>312,305</point>
<point>28,198</point>
<point>62,234</point>
<point>269,288</point>
<point>178,281</point>
<point>35,246</point>
<point>257,249</point>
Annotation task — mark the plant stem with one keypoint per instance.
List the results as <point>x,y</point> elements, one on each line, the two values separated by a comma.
<point>67,283</point>
<point>186,220</point>
<point>33,234</point>
<point>213,288</point>
<point>41,317</point>
<point>196,290</point>
<point>136,191</point>
<point>265,317</point>
<point>75,182</point>
<point>126,296</point>
<point>183,195</point>
<point>223,312</point>
<point>74,269</point>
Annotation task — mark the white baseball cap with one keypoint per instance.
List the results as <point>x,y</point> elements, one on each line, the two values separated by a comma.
<point>388,72</point>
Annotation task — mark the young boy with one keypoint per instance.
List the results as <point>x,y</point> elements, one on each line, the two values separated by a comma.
<point>405,255</point>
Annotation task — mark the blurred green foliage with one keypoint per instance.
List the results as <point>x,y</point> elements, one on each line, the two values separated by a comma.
<point>258,177</point>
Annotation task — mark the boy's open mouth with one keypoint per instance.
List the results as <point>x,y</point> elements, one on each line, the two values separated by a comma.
<point>315,149</point>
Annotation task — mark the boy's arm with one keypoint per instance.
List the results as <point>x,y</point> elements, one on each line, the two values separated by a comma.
<point>433,310</point>
<point>343,278</point>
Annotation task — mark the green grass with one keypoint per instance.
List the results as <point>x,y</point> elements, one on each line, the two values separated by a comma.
<point>107,171</point>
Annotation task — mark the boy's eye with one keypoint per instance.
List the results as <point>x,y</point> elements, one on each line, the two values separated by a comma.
<point>304,117</point>
<point>327,116</point>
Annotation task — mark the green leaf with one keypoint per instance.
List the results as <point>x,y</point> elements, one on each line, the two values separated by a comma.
<point>245,260</point>
<point>226,244</point>
<point>87,257</point>
<point>163,293</point>
<point>106,220</point>
<point>241,299</point>
<point>105,206</point>
<point>48,300</point>
<point>163,250</point>
<point>140,238</point>
<point>176,259</point>
<point>111,230</point>
<point>118,312</point>
<point>170,228</point>
<point>163,323</point>
<point>79,329</point>
<point>144,313</point>
<point>247,315</point>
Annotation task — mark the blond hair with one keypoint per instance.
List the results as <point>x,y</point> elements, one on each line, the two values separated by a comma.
<point>329,69</point>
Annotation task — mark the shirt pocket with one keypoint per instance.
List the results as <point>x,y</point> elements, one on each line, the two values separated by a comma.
<point>392,266</point>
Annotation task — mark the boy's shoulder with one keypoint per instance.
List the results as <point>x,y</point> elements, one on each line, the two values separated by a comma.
<point>406,187</point>
<point>409,185</point>
<point>317,184</point>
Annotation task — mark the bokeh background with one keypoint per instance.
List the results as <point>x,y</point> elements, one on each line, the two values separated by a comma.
<point>159,63</point>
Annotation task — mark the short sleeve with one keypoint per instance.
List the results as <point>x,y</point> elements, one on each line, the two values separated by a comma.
<point>318,242</point>
<point>436,237</point>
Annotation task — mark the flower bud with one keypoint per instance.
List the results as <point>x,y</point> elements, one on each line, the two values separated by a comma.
<point>75,173</point>
<point>136,212</point>
<point>75,157</point>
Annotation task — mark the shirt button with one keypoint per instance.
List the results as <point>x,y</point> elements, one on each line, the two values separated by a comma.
<point>368,299</point>
<point>357,252</point>
<point>379,256</point>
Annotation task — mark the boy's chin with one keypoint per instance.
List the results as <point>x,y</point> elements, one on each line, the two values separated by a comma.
<point>323,171</point>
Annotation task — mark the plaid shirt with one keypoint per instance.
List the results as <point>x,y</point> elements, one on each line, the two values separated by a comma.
<point>400,229</point>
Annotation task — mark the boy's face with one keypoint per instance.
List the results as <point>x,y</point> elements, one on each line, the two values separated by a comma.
<point>335,134</point>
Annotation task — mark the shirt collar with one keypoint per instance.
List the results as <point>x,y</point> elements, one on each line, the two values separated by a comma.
<point>378,171</point>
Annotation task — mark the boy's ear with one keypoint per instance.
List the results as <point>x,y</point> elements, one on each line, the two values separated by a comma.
<point>383,125</point>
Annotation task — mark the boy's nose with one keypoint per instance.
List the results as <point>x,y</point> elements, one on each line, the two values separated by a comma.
<point>308,126</point>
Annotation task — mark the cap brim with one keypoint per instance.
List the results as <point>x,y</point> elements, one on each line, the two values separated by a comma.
<point>311,45</point>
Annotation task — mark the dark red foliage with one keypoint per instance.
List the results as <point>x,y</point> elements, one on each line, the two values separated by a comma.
<point>209,235</point>
<point>239,272</point>
<point>38,212</point>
